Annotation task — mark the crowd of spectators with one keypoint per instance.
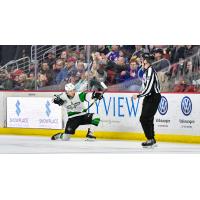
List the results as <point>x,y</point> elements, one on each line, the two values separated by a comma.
<point>119,66</point>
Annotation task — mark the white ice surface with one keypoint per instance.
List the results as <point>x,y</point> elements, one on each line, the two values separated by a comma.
<point>29,144</point>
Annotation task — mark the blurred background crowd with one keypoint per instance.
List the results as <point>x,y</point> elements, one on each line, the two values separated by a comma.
<point>43,67</point>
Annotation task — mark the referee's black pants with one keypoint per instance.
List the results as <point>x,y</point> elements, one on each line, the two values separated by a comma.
<point>149,108</point>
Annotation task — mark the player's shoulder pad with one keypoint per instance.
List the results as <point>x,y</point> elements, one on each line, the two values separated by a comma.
<point>63,96</point>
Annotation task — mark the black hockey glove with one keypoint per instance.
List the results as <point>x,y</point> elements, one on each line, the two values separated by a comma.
<point>97,95</point>
<point>58,101</point>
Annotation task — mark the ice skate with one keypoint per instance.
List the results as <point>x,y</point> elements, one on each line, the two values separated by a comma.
<point>90,136</point>
<point>61,136</point>
<point>149,143</point>
<point>57,136</point>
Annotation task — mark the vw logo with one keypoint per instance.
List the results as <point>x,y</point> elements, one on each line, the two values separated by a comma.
<point>186,105</point>
<point>163,106</point>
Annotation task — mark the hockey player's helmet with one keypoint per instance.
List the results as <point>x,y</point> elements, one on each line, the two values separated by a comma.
<point>69,87</point>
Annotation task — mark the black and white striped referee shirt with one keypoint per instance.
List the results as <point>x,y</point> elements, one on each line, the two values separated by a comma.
<point>151,84</point>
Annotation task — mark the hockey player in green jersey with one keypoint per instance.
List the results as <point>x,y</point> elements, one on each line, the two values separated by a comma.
<point>74,103</point>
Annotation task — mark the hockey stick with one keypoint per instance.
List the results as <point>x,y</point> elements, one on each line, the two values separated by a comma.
<point>104,90</point>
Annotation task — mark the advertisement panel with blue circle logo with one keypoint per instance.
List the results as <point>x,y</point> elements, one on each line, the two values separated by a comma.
<point>186,106</point>
<point>163,106</point>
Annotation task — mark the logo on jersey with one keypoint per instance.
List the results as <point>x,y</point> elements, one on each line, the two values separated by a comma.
<point>163,106</point>
<point>18,110</point>
<point>48,110</point>
<point>73,105</point>
<point>186,105</point>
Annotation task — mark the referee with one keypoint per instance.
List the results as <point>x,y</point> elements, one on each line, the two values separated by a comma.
<point>151,94</point>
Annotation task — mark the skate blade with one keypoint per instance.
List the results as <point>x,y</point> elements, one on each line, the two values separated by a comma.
<point>59,139</point>
<point>150,147</point>
<point>56,139</point>
<point>90,139</point>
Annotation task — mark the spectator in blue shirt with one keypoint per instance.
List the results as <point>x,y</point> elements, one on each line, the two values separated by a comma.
<point>114,54</point>
<point>59,71</point>
<point>131,73</point>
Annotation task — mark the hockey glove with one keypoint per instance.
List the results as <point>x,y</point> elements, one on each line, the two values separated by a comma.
<point>58,101</point>
<point>97,95</point>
